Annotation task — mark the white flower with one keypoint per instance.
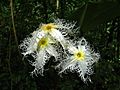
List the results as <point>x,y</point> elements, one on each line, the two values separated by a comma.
<point>42,47</point>
<point>44,51</point>
<point>29,44</point>
<point>57,30</point>
<point>80,59</point>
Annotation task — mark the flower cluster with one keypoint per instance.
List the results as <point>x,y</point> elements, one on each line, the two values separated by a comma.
<point>43,44</point>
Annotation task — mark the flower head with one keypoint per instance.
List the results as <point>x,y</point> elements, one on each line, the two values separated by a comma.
<point>42,46</point>
<point>29,44</point>
<point>48,27</point>
<point>43,42</point>
<point>80,59</point>
<point>44,51</point>
<point>80,55</point>
<point>58,30</point>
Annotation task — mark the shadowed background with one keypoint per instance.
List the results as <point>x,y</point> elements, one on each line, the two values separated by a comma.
<point>99,22</point>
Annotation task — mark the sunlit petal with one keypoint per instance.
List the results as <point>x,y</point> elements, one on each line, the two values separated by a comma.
<point>51,50</point>
<point>59,37</point>
<point>39,62</point>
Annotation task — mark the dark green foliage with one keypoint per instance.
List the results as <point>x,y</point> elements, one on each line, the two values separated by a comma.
<point>93,14</point>
<point>99,22</point>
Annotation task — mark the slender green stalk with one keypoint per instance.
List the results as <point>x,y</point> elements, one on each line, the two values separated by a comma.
<point>12,16</point>
<point>14,30</point>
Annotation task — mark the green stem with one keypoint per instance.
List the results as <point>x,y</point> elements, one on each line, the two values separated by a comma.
<point>12,16</point>
<point>14,30</point>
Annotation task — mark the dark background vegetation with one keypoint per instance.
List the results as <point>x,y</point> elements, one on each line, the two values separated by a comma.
<point>99,22</point>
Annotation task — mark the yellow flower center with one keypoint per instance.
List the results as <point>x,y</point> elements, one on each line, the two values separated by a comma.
<point>80,55</point>
<point>48,27</point>
<point>43,42</point>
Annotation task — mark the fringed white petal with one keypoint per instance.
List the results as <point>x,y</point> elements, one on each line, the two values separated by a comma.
<point>82,43</point>
<point>72,49</point>
<point>52,51</point>
<point>29,44</point>
<point>66,65</point>
<point>83,70</point>
<point>59,37</point>
<point>62,24</point>
<point>39,62</point>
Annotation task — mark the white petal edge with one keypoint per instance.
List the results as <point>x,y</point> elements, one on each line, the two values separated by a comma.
<point>39,63</point>
<point>52,51</point>
<point>59,37</point>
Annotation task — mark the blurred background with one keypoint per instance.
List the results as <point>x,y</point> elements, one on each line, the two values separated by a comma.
<point>99,22</point>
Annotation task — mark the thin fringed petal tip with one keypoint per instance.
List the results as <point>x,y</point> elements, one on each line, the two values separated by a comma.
<point>40,60</point>
<point>80,59</point>
<point>64,25</point>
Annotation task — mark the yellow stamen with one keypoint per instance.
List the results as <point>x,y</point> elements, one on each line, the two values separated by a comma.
<point>80,55</point>
<point>48,27</point>
<point>43,42</point>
